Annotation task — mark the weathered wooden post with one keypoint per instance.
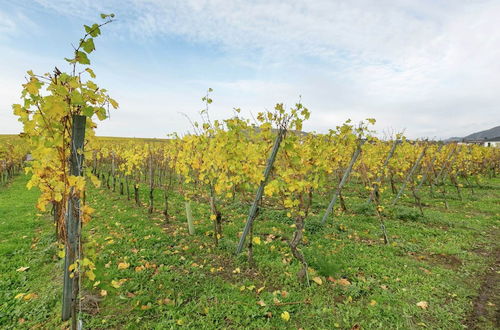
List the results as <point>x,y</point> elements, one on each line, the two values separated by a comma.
<point>448,159</point>
<point>409,176</point>
<point>444,172</point>
<point>151,182</point>
<point>376,185</point>
<point>73,226</point>
<point>429,168</point>
<point>113,169</point>
<point>260,191</point>
<point>343,181</point>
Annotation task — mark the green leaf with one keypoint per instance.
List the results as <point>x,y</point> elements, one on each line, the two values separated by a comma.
<point>88,45</point>
<point>114,104</point>
<point>91,72</point>
<point>82,58</point>
<point>88,111</point>
<point>94,31</point>
<point>60,90</point>
<point>76,98</point>
<point>101,113</point>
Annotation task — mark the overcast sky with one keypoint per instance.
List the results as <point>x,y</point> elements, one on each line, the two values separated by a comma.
<point>430,67</point>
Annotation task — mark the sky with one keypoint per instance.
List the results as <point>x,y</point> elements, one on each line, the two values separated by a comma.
<point>429,67</point>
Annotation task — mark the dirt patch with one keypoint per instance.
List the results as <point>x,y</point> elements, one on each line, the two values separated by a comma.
<point>90,303</point>
<point>440,259</point>
<point>446,260</point>
<point>225,268</point>
<point>486,311</point>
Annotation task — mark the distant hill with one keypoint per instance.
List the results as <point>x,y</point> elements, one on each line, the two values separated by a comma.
<point>483,135</point>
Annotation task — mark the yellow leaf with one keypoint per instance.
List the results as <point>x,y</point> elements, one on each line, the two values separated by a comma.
<point>123,265</point>
<point>285,316</point>
<point>30,296</point>
<point>256,240</point>
<point>90,274</point>
<point>180,322</point>
<point>237,271</point>
<point>87,213</point>
<point>95,181</point>
<point>213,217</point>
<point>344,282</point>
<point>423,304</point>
<point>22,269</point>
<point>116,284</point>
<point>261,303</point>
<point>19,295</point>
<point>373,303</point>
<point>318,280</point>
<point>104,293</point>
<point>58,196</point>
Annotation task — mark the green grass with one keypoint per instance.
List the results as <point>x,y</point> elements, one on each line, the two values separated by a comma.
<point>186,281</point>
<point>26,240</point>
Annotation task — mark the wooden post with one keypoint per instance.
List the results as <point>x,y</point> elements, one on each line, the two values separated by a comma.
<point>409,176</point>
<point>444,173</point>
<point>448,159</point>
<point>151,182</point>
<point>379,178</point>
<point>260,191</point>
<point>429,168</point>
<point>73,226</point>
<point>347,171</point>
<point>113,170</point>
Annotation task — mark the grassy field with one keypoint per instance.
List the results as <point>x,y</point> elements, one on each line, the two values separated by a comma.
<point>440,271</point>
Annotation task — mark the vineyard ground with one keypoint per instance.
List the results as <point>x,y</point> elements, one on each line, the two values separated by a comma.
<point>447,258</point>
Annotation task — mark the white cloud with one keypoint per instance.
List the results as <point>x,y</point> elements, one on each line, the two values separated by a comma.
<point>431,67</point>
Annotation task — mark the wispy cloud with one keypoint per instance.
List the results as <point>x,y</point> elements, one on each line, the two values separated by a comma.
<point>429,66</point>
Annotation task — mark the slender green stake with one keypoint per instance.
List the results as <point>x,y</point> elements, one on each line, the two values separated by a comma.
<point>70,288</point>
<point>343,181</point>
<point>189,215</point>
<point>260,191</point>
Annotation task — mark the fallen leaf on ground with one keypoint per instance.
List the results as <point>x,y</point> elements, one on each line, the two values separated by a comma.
<point>344,282</point>
<point>423,304</point>
<point>123,265</point>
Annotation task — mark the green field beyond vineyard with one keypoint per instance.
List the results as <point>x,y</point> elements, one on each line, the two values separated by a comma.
<point>438,271</point>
